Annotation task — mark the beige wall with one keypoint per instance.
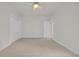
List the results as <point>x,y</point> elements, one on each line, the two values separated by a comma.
<point>66,25</point>
<point>5,15</point>
<point>33,27</point>
<point>4,25</point>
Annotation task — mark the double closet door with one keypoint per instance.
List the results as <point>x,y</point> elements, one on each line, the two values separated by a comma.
<point>15,29</point>
<point>48,29</point>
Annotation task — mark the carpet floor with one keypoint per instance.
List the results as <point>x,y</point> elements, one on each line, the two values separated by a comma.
<point>36,48</point>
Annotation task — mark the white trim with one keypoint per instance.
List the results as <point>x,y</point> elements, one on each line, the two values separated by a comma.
<point>36,38</point>
<point>8,44</point>
<point>31,37</point>
<point>5,46</point>
<point>64,45</point>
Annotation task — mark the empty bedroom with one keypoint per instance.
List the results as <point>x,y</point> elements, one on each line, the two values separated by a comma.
<point>39,29</point>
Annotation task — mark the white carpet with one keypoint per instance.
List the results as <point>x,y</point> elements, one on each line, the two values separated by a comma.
<point>36,48</point>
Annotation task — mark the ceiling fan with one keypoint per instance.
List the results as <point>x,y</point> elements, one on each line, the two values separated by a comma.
<point>35,5</point>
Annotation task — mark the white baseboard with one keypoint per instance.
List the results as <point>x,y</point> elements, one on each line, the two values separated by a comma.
<point>5,46</point>
<point>64,45</point>
<point>31,37</point>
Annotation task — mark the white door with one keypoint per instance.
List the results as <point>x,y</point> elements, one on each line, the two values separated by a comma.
<point>13,29</point>
<point>48,29</point>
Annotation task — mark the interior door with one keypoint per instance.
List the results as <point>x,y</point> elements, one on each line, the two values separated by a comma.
<point>48,29</point>
<point>13,29</point>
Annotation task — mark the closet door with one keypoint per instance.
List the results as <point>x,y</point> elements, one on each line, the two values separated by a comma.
<point>48,29</point>
<point>13,29</point>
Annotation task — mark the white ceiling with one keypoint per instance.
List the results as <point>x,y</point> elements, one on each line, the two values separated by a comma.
<point>47,8</point>
<point>25,8</point>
